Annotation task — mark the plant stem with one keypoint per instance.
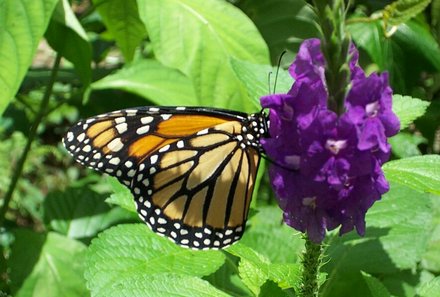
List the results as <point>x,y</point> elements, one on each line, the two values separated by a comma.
<point>311,262</point>
<point>335,47</point>
<point>32,133</point>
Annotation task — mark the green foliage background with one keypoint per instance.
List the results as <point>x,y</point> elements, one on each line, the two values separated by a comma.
<point>70,232</point>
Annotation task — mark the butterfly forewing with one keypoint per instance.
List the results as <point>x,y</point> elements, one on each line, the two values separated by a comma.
<point>191,170</point>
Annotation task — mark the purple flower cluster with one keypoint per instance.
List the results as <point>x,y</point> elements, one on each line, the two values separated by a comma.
<point>327,167</point>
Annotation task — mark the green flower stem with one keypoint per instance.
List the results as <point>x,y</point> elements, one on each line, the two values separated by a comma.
<point>32,133</point>
<point>311,262</point>
<point>335,46</point>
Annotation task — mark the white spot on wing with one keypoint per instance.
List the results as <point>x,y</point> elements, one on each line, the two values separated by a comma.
<point>121,128</point>
<point>143,130</point>
<point>146,120</point>
<point>114,161</point>
<point>164,148</point>
<point>119,120</point>
<point>115,145</point>
<point>81,137</point>
<point>153,159</point>
<point>203,132</point>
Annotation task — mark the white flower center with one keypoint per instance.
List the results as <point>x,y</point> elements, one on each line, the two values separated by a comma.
<point>309,201</point>
<point>372,109</point>
<point>293,160</point>
<point>335,145</point>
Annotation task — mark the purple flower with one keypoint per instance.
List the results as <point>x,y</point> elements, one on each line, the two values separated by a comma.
<point>326,168</point>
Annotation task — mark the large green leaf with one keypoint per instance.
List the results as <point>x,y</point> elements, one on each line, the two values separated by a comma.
<point>255,79</point>
<point>153,81</point>
<point>430,289</point>
<point>122,20</point>
<point>431,258</point>
<point>127,251</point>
<point>398,229</point>
<point>410,51</point>
<point>420,173</point>
<point>66,35</point>
<point>284,24</point>
<point>58,271</point>
<point>160,284</point>
<point>405,145</point>
<point>80,212</point>
<point>408,109</point>
<point>269,236</point>
<point>22,259</point>
<point>121,195</point>
<point>376,288</point>
<point>22,24</point>
<point>255,269</point>
<point>199,37</point>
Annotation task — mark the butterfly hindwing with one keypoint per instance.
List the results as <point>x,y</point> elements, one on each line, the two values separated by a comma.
<point>197,191</point>
<point>191,170</point>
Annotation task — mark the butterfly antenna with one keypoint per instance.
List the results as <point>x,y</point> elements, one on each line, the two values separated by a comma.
<point>265,157</point>
<point>268,81</point>
<point>278,69</point>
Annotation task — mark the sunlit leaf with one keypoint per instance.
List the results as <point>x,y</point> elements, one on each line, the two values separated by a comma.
<point>66,35</point>
<point>23,23</point>
<point>420,173</point>
<point>151,80</point>
<point>128,251</point>
<point>408,109</point>
<point>121,19</point>
<point>60,259</point>
<point>199,37</point>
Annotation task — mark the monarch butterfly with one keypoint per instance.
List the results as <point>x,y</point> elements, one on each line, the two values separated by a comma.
<point>191,170</point>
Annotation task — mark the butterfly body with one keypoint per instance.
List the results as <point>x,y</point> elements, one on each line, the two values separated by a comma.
<point>191,170</point>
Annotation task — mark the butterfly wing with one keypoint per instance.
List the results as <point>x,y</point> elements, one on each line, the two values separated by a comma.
<point>197,190</point>
<point>191,170</point>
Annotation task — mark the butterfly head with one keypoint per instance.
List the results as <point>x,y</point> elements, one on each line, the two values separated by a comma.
<point>255,127</point>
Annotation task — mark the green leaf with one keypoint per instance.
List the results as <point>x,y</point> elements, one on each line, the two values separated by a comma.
<point>430,289</point>
<point>126,251</point>
<point>199,37</point>
<point>255,79</point>
<point>431,258</point>
<point>398,230</point>
<point>401,11</point>
<point>377,289</point>
<point>121,195</point>
<point>121,19</point>
<point>284,24</point>
<point>59,270</point>
<point>80,212</point>
<point>66,35</point>
<point>255,269</point>
<point>416,38</point>
<point>227,279</point>
<point>408,109</point>
<point>22,24</point>
<point>405,145</point>
<point>421,173</point>
<point>160,284</point>
<point>410,51</point>
<point>435,12</point>
<point>269,236</point>
<point>151,80</point>
<point>270,288</point>
<point>23,259</point>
